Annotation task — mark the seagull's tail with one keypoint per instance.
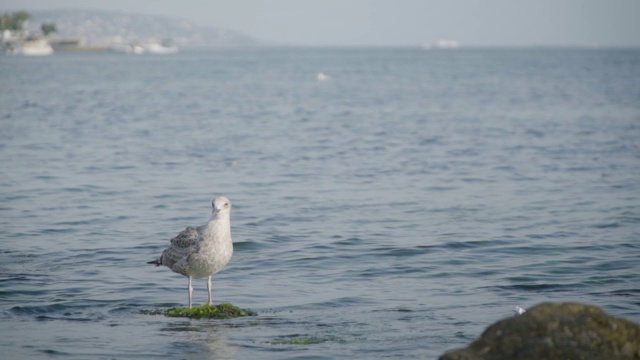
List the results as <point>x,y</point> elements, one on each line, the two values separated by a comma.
<point>156,262</point>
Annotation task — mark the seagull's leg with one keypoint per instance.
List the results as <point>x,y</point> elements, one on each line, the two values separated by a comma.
<point>190,292</point>
<point>209,288</point>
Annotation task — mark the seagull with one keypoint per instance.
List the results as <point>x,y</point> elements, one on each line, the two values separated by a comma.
<point>199,252</point>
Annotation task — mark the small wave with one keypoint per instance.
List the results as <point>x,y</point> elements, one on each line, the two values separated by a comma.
<point>349,242</point>
<point>347,301</point>
<point>55,352</point>
<point>610,225</point>
<point>539,287</point>
<point>403,252</point>
<point>395,251</point>
<point>39,310</point>
<point>555,235</point>
<point>247,245</point>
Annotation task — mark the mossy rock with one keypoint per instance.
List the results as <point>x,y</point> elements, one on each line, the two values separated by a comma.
<point>221,311</point>
<point>556,331</point>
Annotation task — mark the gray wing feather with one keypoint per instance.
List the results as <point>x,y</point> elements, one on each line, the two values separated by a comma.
<point>188,237</point>
<point>181,246</point>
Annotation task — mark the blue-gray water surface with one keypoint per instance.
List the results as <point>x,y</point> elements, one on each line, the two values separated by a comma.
<point>394,210</point>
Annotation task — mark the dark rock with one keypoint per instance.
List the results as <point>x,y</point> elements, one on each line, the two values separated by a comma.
<point>556,331</point>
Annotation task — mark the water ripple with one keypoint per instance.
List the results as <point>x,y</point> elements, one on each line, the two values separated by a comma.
<point>394,211</point>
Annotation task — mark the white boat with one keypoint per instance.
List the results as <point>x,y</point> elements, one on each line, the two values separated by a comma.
<point>161,49</point>
<point>137,49</point>
<point>37,47</point>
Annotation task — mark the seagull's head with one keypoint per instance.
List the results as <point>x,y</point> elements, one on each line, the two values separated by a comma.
<point>221,206</point>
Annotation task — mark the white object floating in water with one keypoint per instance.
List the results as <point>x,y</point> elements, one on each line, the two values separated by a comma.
<point>447,44</point>
<point>322,76</point>
<point>520,310</point>
<point>199,252</point>
<point>161,48</point>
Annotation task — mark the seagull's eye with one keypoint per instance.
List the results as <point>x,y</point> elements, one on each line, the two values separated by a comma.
<point>226,204</point>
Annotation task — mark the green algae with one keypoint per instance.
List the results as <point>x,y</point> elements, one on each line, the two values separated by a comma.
<point>221,311</point>
<point>152,312</point>
<point>206,311</point>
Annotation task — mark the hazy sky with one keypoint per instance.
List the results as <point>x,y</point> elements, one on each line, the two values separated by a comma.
<point>394,22</point>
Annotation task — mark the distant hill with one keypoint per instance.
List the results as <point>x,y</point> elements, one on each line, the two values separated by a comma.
<point>105,28</point>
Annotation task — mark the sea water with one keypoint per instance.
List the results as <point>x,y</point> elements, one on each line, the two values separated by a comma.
<point>393,208</point>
